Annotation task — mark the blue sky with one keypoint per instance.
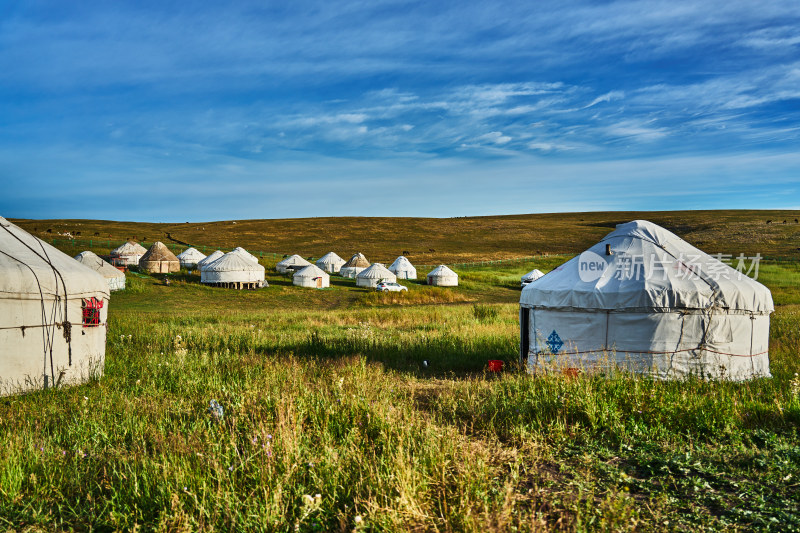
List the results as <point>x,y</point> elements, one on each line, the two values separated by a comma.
<point>166,111</point>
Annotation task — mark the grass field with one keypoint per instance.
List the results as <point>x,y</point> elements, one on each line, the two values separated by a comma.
<point>432,241</point>
<point>351,410</point>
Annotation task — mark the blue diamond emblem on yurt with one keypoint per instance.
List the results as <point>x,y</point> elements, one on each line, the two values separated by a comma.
<point>554,342</point>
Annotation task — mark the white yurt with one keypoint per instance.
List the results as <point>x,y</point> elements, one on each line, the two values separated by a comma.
<point>114,277</point>
<point>53,314</point>
<point>128,254</point>
<point>443,276</point>
<point>646,300</point>
<point>311,276</point>
<point>531,276</point>
<point>374,274</point>
<point>354,265</point>
<point>292,263</point>
<point>233,271</point>
<point>330,263</point>
<point>159,260</point>
<point>190,257</point>
<point>247,255</point>
<point>213,256</point>
<point>403,268</point>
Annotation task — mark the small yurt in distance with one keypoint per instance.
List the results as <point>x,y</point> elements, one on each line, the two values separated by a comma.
<point>213,256</point>
<point>128,254</point>
<point>247,255</point>
<point>114,276</point>
<point>353,266</point>
<point>442,276</point>
<point>531,276</point>
<point>190,257</point>
<point>311,276</point>
<point>645,300</point>
<point>374,274</point>
<point>159,260</point>
<point>330,263</point>
<point>233,271</point>
<point>53,314</point>
<point>403,268</point>
<point>292,263</point>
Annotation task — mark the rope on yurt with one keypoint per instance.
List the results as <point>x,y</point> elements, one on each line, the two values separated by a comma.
<point>49,334</point>
<point>45,325</point>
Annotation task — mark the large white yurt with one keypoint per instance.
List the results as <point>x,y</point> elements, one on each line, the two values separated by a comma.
<point>190,257</point>
<point>330,263</point>
<point>645,300</point>
<point>374,274</point>
<point>292,263</point>
<point>159,260</point>
<point>233,271</point>
<point>531,276</point>
<point>247,255</point>
<point>442,276</point>
<point>128,254</point>
<point>213,256</point>
<point>114,277</point>
<point>353,266</point>
<point>53,314</point>
<point>311,276</point>
<point>403,268</point>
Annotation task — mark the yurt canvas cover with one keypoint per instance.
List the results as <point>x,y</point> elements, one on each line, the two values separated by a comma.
<point>234,271</point>
<point>374,274</point>
<point>403,268</point>
<point>656,305</point>
<point>247,255</point>
<point>442,276</point>
<point>213,256</point>
<point>533,275</point>
<point>354,265</point>
<point>159,260</point>
<point>294,261</point>
<point>53,314</point>
<point>190,257</point>
<point>114,277</point>
<point>128,254</point>
<point>330,263</point>
<point>311,276</point>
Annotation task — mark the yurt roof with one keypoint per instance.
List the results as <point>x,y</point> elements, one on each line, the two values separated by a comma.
<point>400,262</point>
<point>676,275</point>
<point>159,252</point>
<point>293,260</point>
<point>26,271</point>
<point>376,271</point>
<point>210,258</point>
<point>311,271</point>
<point>357,261</point>
<point>246,254</point>
<point>129,247</point>
<point>442,270</point>
<point>96,263</point>
<point>533,274</point>
<point>331,258</point>
<point>191,254</point>
<point>233,262</point>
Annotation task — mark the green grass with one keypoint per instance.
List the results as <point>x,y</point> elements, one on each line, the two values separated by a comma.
<point>380,404</point>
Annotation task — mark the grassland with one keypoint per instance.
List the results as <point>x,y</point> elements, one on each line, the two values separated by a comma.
<point>380,405</point>
<point>451,240</point>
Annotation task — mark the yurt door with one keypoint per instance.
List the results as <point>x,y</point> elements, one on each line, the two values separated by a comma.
<point>319,282</point>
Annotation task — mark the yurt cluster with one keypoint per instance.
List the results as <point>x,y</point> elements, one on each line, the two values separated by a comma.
<point>701,319</point>
<point>318,274</point>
